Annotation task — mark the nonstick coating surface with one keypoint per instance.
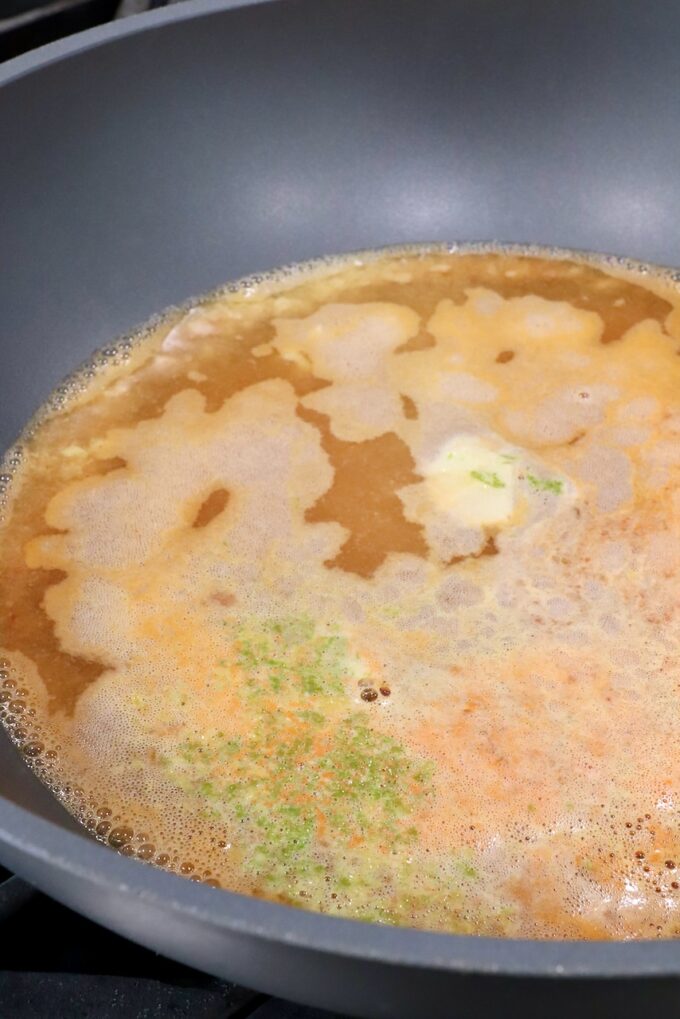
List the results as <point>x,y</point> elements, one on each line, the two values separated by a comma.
<point>149,160</point>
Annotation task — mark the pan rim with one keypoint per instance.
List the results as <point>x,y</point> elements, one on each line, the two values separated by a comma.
<point>61,49</point>
<point>73,853</point>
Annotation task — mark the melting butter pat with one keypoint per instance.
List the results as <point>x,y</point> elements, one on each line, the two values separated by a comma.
<point>473,480</point>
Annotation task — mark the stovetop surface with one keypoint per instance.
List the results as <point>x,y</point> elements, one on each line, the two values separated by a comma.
<point>55,963</point>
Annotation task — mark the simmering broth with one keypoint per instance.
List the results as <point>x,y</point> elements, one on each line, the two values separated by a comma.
<point>356,588</point>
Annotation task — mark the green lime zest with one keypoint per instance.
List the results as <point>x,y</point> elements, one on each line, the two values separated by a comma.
<point>545,484</point>
<point>489,478</point>
<point>322,800</point>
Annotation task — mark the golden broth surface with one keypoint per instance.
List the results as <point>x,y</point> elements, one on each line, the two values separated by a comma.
<point>357,589</point>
